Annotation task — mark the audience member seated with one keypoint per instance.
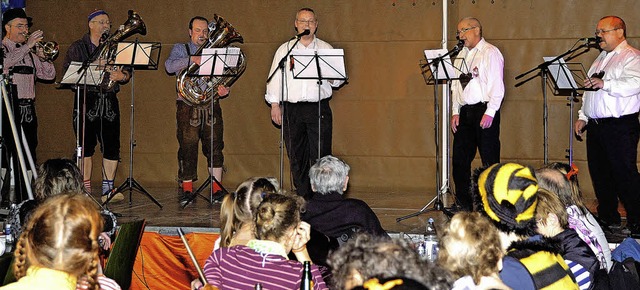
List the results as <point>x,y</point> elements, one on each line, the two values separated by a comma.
<point>59,245</point>
<point>470,249</point>
<point>56,176</point>
<point>236,211</point>
<point>562,179</point>
<point>552,222</point>
<point>508,192</point>
<point>328,211</point>
<point>278,230</point>
<point>366,257</point>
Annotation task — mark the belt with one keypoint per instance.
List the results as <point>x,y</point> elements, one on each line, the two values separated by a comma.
<point>25,102</point>
<point>22,69</point>
<point>480,104</point>
<point>611,119</point>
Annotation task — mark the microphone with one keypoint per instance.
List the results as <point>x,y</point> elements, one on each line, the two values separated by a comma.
<point>592,41</point>
<point>301,34</point>
<point>104,36</point>
<point>456,49</point>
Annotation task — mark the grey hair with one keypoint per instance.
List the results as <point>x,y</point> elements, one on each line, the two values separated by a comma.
<point>328,175</point>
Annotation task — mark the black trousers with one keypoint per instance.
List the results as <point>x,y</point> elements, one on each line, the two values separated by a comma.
<point>612,149</point>
<point>300,125</point>
<point>468,138</point>
<point>25,116</point>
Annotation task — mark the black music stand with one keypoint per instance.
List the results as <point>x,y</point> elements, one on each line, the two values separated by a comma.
<point>142,56</point>
<point>215,62</point>
<point>542,71</point>
<point>321,64</point>
<point>562,82</point>
<point>81,75</point>
<point>439,70</point>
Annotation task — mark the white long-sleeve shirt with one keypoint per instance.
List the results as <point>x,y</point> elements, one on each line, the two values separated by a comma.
<point>486,65</point>
<point>620,94</point>
<point>297,90</point>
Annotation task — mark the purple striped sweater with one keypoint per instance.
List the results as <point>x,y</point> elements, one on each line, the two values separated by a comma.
<point>241,267</point>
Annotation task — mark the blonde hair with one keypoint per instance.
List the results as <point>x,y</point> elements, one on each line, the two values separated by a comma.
<point>549,202</point>
<point>470,245</point>
<point>277,214</point>
<point>62,234</point>
<point>238,207</point>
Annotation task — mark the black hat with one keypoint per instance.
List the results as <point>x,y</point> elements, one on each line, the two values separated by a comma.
<point>14,13</point>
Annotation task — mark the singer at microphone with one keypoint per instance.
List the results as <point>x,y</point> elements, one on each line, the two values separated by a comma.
<point>609,114</point>
<point>295,102</point>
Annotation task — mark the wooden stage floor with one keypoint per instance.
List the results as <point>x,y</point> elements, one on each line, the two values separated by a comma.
<point>387,206</point>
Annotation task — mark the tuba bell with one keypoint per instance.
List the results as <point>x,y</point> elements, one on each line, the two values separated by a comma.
<point>133,25</point>
<point>200,90</point>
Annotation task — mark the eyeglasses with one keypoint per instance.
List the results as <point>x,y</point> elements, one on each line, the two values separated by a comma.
<point>310,22</point>
<point>600,31</point>
<point>463,30</point>
<point>21,26</point>
<point>102,22</point>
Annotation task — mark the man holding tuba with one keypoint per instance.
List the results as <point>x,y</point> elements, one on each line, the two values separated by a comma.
<point>101,116</point>
<point>194,122</point>
<point>24,66</point>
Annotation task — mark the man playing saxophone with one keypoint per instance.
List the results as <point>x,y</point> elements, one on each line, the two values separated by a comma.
<point>101,117</point>
<point>24,66</point>
<point>194,122</point>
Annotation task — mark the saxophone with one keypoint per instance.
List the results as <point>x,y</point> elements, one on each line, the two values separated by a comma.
<point>200,90</point>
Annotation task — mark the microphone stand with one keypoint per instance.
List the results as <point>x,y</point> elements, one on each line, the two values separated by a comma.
<point>281,102</point>
<point>437,201</point>
<point>543,69</point>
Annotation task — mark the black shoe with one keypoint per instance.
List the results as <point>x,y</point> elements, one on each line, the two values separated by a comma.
<point>218,196</point>
<point>187,198</point>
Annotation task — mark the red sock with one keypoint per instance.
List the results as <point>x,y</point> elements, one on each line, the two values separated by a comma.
<point>216,187</point>
<point>187,186</point>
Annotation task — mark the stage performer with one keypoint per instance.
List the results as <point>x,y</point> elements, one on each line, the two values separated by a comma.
<point>194,122</point>
<point>25,67</point>
<point>476,101</point>
<point>102,116</point>
<point>610,115</point>
<point>300,105</point>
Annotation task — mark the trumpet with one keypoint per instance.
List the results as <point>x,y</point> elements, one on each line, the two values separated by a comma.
<point>50,48</point>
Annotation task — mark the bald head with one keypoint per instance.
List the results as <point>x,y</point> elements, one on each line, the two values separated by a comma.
<point>555,182</point>
<point>469,31</point>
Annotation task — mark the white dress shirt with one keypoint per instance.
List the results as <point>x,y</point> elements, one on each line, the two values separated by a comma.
<point>486,65</point>
<point>297,90</point>
<point>620,94</point>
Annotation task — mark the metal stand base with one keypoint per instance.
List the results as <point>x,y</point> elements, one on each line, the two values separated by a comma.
<point>131,184</point>
<point>438,205</point>
<point>212,197</point>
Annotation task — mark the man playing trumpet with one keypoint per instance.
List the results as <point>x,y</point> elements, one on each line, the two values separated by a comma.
<point>102,116</point>
<point>24,66</point>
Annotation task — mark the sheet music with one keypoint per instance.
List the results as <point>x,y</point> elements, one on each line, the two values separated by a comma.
<point>125,53</point>
<point>449,71</point>
<point>93,75</point>
<point>561,74</point>
<point>331,63</point>
<point>226,57</point>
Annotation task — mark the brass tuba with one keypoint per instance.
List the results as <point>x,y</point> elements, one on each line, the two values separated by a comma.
<point>133,25</point>
<point>200,90</point>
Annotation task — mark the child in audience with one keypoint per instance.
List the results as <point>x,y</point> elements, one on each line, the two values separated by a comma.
<point>470,249</point>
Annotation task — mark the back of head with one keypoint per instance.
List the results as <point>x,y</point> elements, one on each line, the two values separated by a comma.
<point>56,176</point>
<point>395,283</point>
<point>238,207</point>
<point>549,203</point>
<point>370,256</point>
<point>277,214</point>
<point>567,188</point>
<point>470,245</point>
<point>62,234</point>
<point>508,193</point>
<point>328,175</point>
